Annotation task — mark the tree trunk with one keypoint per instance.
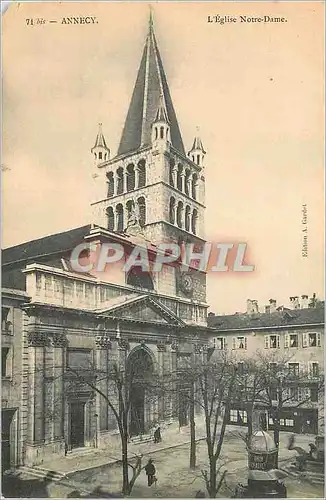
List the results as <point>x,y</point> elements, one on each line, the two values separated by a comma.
<point>249,424</point>
<point>212,477</point>
<point>276,437</point>
<point>192,461</point>
<point>124,459</point>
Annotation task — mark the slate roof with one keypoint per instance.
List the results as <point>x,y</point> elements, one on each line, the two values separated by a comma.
<point>268,320</point>
<point>100,139</point>
<point>49,245</point>
<point>151,84</point>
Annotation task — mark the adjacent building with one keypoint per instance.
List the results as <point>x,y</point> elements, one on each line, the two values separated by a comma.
<point>295,335</point>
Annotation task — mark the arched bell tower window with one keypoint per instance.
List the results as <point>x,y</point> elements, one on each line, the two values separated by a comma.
<point>142,211</point>
<point>120,186</point>
<point>194,221</point>
<point>187,218</point>
<point>187,181</point>
<point>139,278</point>
<point>110,184</point>
<point>171,168</point>
<point>130,205</point>
<point>130,178</point>
<point>119,216</point>
<point>110,216</point>
<point>141,173</point>
<point>179,177</point>
<point>179,214</point>
<point>194,186</point>
<point>172,210</point>
<point>161,132</point>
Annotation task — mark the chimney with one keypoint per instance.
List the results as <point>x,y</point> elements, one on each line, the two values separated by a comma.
<point>295,302</point>
<point>272,305</point>
<point>249,306</point>
<point>304,301</point>
<point>267,309</point>
<point>255,309</point>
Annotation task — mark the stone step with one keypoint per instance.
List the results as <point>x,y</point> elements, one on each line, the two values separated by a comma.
<point>41,472</point>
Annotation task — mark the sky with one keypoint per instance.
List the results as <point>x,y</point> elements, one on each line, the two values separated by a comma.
<point>255,90</point>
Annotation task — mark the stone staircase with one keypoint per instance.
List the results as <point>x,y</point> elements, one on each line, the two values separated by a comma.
<point>40,473</point>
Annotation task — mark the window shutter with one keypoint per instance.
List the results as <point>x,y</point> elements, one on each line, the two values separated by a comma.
<point>266,338</point>
<point>233,343</point>
<point>245,342</point>
<point>318,339</point>
<point>310,369</point>
<point>225,343</point>
<point>278,341</point>
<point>305,340</point>
<point>286,340</point>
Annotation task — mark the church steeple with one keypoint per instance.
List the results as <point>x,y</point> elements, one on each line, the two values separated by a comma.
<point>151,87</point>
<point>100,150</point>
<point>197,152</point>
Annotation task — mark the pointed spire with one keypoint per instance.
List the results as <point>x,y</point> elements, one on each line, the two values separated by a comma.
<point>197,144</point>
<point>150,21</point>
<point>100,140</point>
<point>161,115</point>
<point>151,83</point>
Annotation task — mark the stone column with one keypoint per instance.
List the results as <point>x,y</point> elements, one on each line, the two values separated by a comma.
<point>59,342</point>
<point>174,176</point>
<point>36,343</point>
<point>103,344</point>
<point>136,176</point>
<point>161,349</point>
<point>174,351</point>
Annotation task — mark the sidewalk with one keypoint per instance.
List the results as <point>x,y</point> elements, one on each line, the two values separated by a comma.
<point>94,458</point>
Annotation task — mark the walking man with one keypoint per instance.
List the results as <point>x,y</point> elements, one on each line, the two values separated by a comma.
<point>150,472</point>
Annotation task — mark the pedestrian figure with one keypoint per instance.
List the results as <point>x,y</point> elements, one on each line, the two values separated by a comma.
<point>150,472</point>
<point>157,435</point>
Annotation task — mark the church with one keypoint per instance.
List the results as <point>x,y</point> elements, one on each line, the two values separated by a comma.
<point>151,192</point>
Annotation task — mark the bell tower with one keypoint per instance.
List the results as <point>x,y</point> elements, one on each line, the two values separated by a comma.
<point>152,184</point>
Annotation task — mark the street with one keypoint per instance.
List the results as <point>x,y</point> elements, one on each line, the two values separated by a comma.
<point>175,479</point>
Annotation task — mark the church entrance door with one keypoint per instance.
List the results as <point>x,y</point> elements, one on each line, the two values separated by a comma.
<point>77,424</point>
<point>139,369</point>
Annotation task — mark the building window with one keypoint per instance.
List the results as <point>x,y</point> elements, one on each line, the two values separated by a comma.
<point>110,216</point>
<point>194,221</point>
<point>272,341</point>
<point>294,369</point>
<point>142,211</point>
<point>194,186</point>
<point>311,339</point>
<point>172,210</point>
<point>6,326</point>
<point>110,184</point>
<point>6,361</point>
<point>239,343</point>
<point>120,183</point>
<point>119,215</point>
<point>291,340</point>
<point>141,174</point>
<point>100,156</point>
<point>139,278</point>
<point>187,218</point>
<point>220,343</point>
<point>243,416</point>
<point>233,415</point>
<point>179,214</point>
<point>187,182</point>
<point>179,177</point>
<point>314,369</point>
<point>171,169</point>
<point>130,178</point>
<point>314,395</point>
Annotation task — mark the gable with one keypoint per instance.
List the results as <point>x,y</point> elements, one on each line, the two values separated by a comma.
<point>144,309</point>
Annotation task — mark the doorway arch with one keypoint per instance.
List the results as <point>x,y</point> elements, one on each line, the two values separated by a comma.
<point>140,368</point>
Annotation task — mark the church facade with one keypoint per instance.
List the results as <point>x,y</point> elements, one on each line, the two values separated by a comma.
<point>151,192</point>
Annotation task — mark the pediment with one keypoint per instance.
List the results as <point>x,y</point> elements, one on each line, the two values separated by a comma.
<point>143,309</point>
